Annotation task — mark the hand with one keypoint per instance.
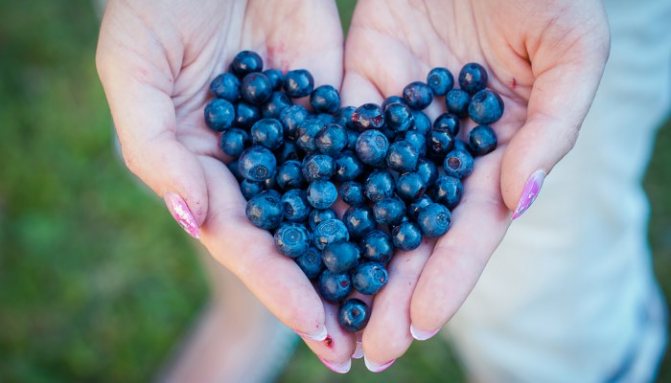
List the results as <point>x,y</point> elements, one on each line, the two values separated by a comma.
<point>545,58</point>
<point>156,60</point>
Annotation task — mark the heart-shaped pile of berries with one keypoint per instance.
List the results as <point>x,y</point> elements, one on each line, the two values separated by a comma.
<point>399,174</point>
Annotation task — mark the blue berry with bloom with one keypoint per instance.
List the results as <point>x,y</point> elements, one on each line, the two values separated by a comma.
<point>298,83</point>
<point>292,239</point>
<point>377,246</point>
<point>482,140</point>
<point>359,221</point>
<point>329,231</point>
<point>234,141</point>
<point>458,163</point>
<point>434,220</point>
<point>473,78</point>
<point>322,194</point>
<point>311,263</point>
<point>486,107</point>
<point>268,132</point>
<point>257,163</point>
<point>457,101</point>
<point>264,210</point>
<point>440,80</point>
<point>406,236</point>
<point>325,99</point>
<point>417,95</point>
<point>340,256</point>
<point>219,114</point>
<point>353,315</point>
<point>369,278</point>
<point>246,62</point>
<point>334,287</point>
<point>295,205</point>
<point>226,86</point>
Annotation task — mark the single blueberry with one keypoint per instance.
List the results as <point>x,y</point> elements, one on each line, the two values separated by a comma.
<point>250,188</point>
<point>344,117</point>
<point>292,239</point>
<point>440,142</point>
<point>331,140</point>
<point>276,78</point>
<point>334,287</point>
<point>329,231</point>
<point>233,141</point>
<point>246,62</point>
<point>306,134</point>
<point>486,107</point>
<point>275,105</point>
<point>318,167</point>
<point>399,117</point>
<point>347,167</point>
<point>257,163</point>
<point>340,256</point>
<point>369,278</point>
<point>287,152</point>
<point>255,88</point>
<point>448,191</point>
<point>311,263</point>
<point>440,80</point>
<point>418,205</point>
<point>290,175</point>
<point>377,246</point>
<point>402,157</point>
<point>389,211</point>
<point>295,205</point>
<point>264,210</point>
<point>351,193</point>
<point>291,118</point>
<point>472,78</point>
<point>417,95</point>
<point>226,86</point>
<point>246,115</point>
<point>371,147</point>
<point>317,216</point>
<point>219,114</point>
<point>482,140</point>
<point>353,315</point>
<point>422,122</point>
<point>458,163</point>
<point>410,186</point>
<point>379,185</point>
<point>298,83</point>
<point>433,220</point>
<point>368,116</point>
<point>428,171</point>
<point>417,140</point>
<point>406,236</point>
<point>457,101</point>
<point>447,121</point>
<point>325,99</point>
<point>322,194</point>
<point>392,100</point>
<point>268,132</point>
<point>359,221</point>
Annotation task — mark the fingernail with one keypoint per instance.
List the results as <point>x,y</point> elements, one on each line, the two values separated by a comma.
<point>529,193</point>
<point>340,368</point>
<point>421,334</point>
<point>318,336</point>
<point>374,367</point>
<point>358,351</point>
<point>182,214</point>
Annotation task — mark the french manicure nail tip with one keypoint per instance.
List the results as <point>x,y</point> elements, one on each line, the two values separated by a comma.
<point>421,334</point>
<point>358,351</point>
<point>531,189</point>
<point>317,336</point>
<point>375,367</point>
<point>340,368</point>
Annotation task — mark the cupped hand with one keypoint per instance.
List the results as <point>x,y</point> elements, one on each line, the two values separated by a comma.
<point>545,59</point>
<point>156,60</point>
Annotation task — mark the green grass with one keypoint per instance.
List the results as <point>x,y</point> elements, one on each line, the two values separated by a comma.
<point>96,281</point>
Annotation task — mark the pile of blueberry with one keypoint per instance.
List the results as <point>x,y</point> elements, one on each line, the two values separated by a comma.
<point>398,174</point>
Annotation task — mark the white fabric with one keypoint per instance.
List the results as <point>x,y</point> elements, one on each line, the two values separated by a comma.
<point>570,295</point>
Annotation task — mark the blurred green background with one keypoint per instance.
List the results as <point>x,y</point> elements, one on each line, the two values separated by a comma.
<point>97,282</point>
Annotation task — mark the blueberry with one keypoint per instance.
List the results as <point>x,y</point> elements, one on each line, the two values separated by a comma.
<point>379,185</point>
<point>406,236</point>
<point>418,205</point>
<point>389,211</point>
<point>295,205</point>
<point>368,116</point>
<point>428,171</point>
<point>352,136</point>
<point>351,193</point>
<point>325,99</point>
<point>343,117</point>
<point>233,142</point>
<point>371,147</point>
<point>287,152</point>
<point>322,194</point>
<point>246,62</point>
<point>268,132</point>
<point>226,86</point>
<point>292,239</point>
<point>318,167</point>
<point>353,315</point>
<point>334,287</point>
<point>448,191</point>
<point>433,220</point>
<point>291,118</point>
<point>219,114</point>
<point>410,186</point>
<point>377,246</point>
<point>359,221</point>
<point>422,122</point>
<point>257,163</point>
<point>276,78</point>
<point>255,88</point>
<point>246,115</point>
<point>417,140</point>
<point>306,134</point>
<point>457,101</point>
<point>369,278</point>
<point>440,80</point>
<point>289,175</point>
<point>311,263</point>
<point>458,164</point>
<point>298,83</point>
<point>329,231</point>
<point>472,78</point>
<point>482,140</point>
<point>340,256</point>
<point>275,105</point>
<point>417,95</point>
<point>399,117</point>
<point>264,210</point>
<point>447,121</point>
<point>347,167</point>
<point>392,100</point>
<point>317,216</point>
<point>250,188</point>
<point>331,140</point>
<point>402,157</point>
<point>440,142</point>
<point>486,107</point>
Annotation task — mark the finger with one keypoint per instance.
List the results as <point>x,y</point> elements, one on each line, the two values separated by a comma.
<point>478,225</point>
<point>250,254</point>
<point>337,349</point>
